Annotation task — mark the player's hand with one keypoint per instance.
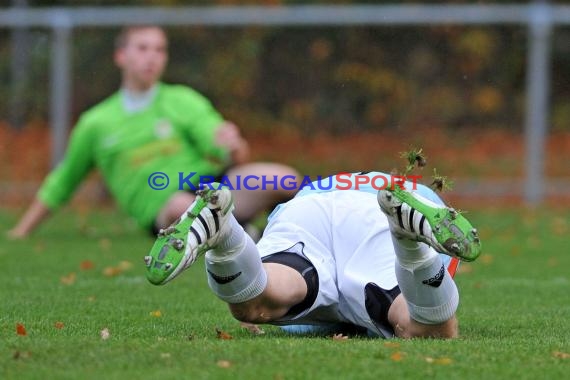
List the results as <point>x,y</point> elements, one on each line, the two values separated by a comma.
<point>229,137</point>
<point>16,234</point>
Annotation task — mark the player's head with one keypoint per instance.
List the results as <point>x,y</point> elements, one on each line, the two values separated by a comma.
<point>141,52</point>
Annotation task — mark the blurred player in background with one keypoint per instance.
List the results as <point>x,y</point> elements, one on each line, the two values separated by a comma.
<point>330,259</point>
<point>146,127</point>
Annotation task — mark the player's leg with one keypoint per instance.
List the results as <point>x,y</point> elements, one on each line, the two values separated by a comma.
<point>285,289</point>
<point>174,207</point>
<point>275,183</point>
<point>429,295</point>
<point>406,327</point>
<point>256,292</point>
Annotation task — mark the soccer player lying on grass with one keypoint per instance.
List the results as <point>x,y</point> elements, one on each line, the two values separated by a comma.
<point>330,258</point>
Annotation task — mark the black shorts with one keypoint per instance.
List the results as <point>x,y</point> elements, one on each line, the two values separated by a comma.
<point>307,271</point>
<point>377,300</point>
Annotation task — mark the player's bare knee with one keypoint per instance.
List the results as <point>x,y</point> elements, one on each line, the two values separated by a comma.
<point>178,203</point>
<point>245,312</point>
<point>449,329</point>
<point>250,312</point>
<point>288,172</point>
<point>241,313</point>
<point>407,327</point>
<point>446,330</point>
<point>284,170</point>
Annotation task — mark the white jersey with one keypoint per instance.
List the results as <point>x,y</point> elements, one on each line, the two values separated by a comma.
<point>346,237</point>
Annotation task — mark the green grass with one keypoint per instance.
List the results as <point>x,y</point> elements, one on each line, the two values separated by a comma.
<point>514,313</point>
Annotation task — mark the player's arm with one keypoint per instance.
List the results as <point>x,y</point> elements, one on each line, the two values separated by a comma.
<point>213,136</point>
<point>36,213</point>
<point>60,184</point>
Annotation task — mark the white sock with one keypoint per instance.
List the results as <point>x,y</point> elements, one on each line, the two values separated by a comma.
<point>428,288</point>
<point>412,254</point>
<point>234,269</point>
<point>233,239</point>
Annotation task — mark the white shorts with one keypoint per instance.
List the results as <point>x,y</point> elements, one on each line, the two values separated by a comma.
<point>346,237</point>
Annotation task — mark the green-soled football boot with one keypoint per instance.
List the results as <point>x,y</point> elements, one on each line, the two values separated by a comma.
<point>193,234</point>
<point>414,217</point>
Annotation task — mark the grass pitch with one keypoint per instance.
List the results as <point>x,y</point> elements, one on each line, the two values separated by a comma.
<point>75,304</point>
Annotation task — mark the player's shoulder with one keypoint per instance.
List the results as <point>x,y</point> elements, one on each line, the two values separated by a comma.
<point>182,94</point>
<point>101,112</point>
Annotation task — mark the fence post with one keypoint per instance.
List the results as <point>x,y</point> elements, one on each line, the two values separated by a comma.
<point>537,102</point>
<point>19,70</point>
<point>60,85</point>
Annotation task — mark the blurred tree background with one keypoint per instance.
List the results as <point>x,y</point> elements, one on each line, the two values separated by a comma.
<point>327,81</point>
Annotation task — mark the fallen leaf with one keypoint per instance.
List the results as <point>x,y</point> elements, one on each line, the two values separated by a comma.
<point>105,244</point>
<point>516,251</point>
<point>529,221</point>
<point>442,361</point>
<point>58,325</point>
<point>478,285</point>
<point>339,337</point>
<point>105,334</point>
<point>86,265</point>
<point>222,334</point>
<point>224,363</point>
<point>68,279</point>
<point>486,259</point>
<point>252,328</point>
<point>125,265</point>
<point>91,298</point>
<point>464,268</point>
<point>165,355</point>
<point>552,262</point>
<point>559,226</point>
<point>397,356</point>
<point>156,314</point>
<point>21,329</point>
<point>561,355</point>
<point>392,344</point>
<point>116,270</point>
<point>485,232</point>
<point>507,236</point>
<point>111,271</point>
<point>21,355</point>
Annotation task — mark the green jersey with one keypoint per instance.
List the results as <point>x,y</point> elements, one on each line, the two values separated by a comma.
<point>174,134</point>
